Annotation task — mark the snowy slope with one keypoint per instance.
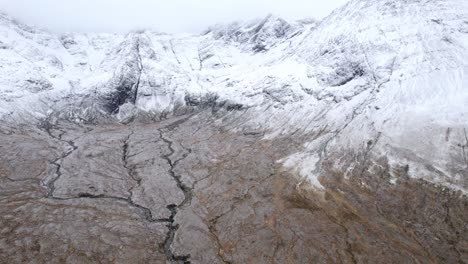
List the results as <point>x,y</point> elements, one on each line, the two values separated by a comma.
<point>396,73</point>
<point>377,78</point>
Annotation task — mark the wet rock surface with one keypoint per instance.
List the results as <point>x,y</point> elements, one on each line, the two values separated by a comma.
<point>196,189</point>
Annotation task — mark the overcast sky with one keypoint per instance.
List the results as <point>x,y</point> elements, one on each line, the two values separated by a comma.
<point>162,15</point>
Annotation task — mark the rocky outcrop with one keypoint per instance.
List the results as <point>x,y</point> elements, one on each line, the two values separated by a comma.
<point>258,35</point>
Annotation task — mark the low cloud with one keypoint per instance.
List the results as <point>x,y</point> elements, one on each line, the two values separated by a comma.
<point>166,16</point>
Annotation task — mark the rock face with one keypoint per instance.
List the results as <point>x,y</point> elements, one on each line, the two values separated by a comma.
<point>340,141</point>
<point>193,189</point>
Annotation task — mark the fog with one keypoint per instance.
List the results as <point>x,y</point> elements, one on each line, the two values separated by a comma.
<point>166,16</point>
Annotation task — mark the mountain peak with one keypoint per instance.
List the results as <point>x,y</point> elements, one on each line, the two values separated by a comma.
<point>258,34</point>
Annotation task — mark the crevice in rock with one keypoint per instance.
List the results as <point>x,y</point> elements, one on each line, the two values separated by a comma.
<point>212,222</point>
<point>144,212</point>
<point>171,256</point>
<point>140,71</point>
<point>125,86</point>
<point>200,60</point>
<point>187,191</point>
<point>125,156</point>
<point>147,214</point>
<point>48,127</point>
<point>173,52</point>
<point>214,232</point>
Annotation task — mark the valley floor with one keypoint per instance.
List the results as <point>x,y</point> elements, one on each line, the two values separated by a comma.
<point>193,189</point>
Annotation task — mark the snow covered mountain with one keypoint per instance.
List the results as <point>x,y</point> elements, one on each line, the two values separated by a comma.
<point>375,78</point>
<point>268,141</point>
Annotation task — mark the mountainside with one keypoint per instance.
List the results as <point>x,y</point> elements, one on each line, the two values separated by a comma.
<point>364,111</point>
<point>393,70</point>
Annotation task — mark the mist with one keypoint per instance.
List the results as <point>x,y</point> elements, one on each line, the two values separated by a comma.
<point>166,16</point>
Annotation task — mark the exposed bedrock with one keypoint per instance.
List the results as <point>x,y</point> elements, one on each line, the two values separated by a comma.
<point>197,189</point>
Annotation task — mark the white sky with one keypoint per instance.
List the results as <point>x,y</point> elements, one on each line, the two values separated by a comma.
<point>167,16</point>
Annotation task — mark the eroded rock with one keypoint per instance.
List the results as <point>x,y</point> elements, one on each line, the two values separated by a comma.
<point>193,189</point>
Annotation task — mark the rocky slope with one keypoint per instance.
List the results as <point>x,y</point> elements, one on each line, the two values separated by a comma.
<point>343,140</point>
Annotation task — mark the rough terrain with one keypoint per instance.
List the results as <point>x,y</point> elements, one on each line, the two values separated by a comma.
<point>267,141</point>
<point>189,189</point>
